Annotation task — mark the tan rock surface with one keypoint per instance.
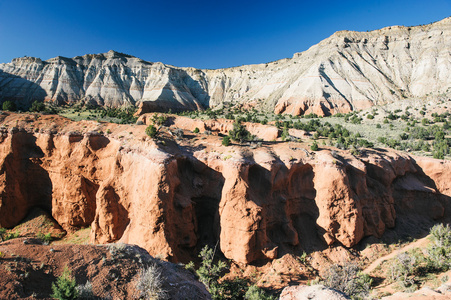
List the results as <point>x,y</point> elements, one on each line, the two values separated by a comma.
<point>314,292</point>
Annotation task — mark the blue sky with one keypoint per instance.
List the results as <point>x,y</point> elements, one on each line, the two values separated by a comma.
<point>203,34</point>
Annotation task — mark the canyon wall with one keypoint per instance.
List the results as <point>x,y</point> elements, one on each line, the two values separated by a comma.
<point>172,199</point>
<point>347,71</point>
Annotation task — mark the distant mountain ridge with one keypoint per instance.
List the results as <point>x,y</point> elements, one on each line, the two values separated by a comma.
<point>347,71</point>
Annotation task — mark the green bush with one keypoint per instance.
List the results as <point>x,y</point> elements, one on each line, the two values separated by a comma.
<point>256,293</point>
<point>9,236</point>
<point>402,268</point>
<point>151,131</point>
<point>150,283</point>
<point>239,133</point>
<point>285,135</point>
<point>209,273</point>
<point>439,249</point>
<point>37,106</point>
<point>226,140</point>
<point>314,146</point>
<point>65,287</point>
<point>46,238</point>
<point>158,119</point>
<point>2,233</point>
<point>196,130</point>
<point>348,279</point>
<point>9,105</point>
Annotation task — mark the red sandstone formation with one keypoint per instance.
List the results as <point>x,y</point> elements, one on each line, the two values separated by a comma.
<point>173,197</point>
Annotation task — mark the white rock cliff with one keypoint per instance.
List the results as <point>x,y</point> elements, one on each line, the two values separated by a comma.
<point>347,71</point>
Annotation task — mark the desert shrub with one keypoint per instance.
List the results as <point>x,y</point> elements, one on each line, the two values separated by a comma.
<point>256,293</point>
<point>314,146</point>
<point>232,289</point>
<point>356,120</point>
<point>9,105</point>
<point>178,133</point>
<point>355,151</point>
<point>151,131</point>
<point>392,116</point>
<point>226,140</point>
<point>65,287</point>
<point>150,283</point>
<point>402,269</point>
<point>2,233</point>
<point>209,273</point>
<point>196,130</point>
<point>46,238</point>
<point>7,236</point>
<point>37,106</point>
<point>439,135</point>
<point>125,115</point>
<point>285,135</point>
<point>85,291</point>
<point>239,132</point>
<point>439,249</point>
<point>348,279</point>
<point>403,136</point>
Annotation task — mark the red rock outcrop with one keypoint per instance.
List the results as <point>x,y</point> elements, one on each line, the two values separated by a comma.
<point>172,198</point>
<point>113,271</point>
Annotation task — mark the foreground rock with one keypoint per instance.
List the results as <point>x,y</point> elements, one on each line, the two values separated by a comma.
<point>172,197</point>
<point>441,293</point>
<point>314,292</point>
<point>347,71</point>
<point>29,268</point>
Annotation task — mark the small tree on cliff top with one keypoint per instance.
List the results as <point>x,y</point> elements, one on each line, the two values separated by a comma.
<point>157,123</point>
<point>239,133</point>
<point>9,105</point>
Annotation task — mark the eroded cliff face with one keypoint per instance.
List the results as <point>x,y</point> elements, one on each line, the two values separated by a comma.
<point>172,199</point>
<point>347,71</point>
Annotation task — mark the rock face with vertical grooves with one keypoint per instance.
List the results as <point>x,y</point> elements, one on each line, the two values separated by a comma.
<point>254,204</point>
<point>347,71</point>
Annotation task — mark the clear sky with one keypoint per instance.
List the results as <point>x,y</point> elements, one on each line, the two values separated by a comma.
<point>203,34</point>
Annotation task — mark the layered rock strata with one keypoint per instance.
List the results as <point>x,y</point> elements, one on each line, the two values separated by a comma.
<point>347,71</point>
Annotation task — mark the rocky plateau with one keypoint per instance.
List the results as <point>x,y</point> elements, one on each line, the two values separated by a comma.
<point>171,197</point>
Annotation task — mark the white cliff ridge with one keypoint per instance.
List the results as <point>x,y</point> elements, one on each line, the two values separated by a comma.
<point>347,71</point>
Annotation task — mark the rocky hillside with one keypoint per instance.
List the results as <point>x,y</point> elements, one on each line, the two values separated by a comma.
<point>172,196</point>
<point>347,71</point>
<point>115,271</point>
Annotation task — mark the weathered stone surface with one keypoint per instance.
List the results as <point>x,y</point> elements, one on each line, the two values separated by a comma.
<point>314,292</point>
<point>113,271</point>
<point>171,199</point>
<point>347,71</point>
